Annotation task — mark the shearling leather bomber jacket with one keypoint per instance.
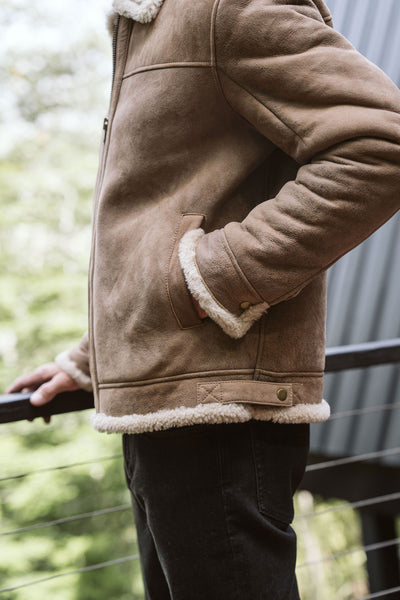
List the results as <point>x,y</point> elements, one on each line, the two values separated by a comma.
<point>247,147</point>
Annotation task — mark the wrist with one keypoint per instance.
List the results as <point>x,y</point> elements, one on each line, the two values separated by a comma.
<point>202,313</point>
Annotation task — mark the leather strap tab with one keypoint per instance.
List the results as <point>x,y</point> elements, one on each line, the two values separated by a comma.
<point>253,392</point>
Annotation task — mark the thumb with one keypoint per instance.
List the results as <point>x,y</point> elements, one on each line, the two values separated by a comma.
<point>61,382</point>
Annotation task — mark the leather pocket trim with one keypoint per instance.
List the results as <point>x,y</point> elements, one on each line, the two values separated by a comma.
<point>177,290</point>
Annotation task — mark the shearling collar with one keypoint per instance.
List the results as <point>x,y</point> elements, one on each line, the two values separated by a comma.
<point>143,11</point>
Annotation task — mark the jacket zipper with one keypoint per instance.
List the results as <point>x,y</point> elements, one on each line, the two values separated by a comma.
<point>114,59</point>
<point>99,182</point>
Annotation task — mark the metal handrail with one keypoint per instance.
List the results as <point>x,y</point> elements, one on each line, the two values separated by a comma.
<point>16,407</point>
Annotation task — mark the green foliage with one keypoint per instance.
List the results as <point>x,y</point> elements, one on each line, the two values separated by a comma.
<point>47,496</point>
<point>55,72</point>
<point>321,537</point>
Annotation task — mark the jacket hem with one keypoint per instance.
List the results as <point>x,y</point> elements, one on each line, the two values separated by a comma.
<point>234,326</point>
<point>64,361</point>
<point>209,413</point>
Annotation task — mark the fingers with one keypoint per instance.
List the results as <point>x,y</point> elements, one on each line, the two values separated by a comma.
<point>61,382</point>
<point>45,419</point>
<point>34,379</point>
<point>202,313</point>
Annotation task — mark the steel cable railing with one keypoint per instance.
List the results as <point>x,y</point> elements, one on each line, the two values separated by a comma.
<point>108,563</point>
<point>377,353</point>
<point>60,467</point>
<point>72,518</point>
<point>351,505</point>
<point>352,459</point>
<point>364,411</point>
<point>382,593</point>
<point>365,548</point>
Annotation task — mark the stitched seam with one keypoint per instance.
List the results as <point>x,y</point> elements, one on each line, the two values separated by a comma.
<point>220,86</point>
<point>174,246</point>
<point>179,377</point>
<point>292,373</point>
<point>262,104</point>
<point>224,504</point>
<point>210,394</point>
<point>256,474</point>
<point>238,269</point>
<point>213,52</point>
<point>260,347</point>
<point>177,65</point>
<point>214,67</point>
<point>212,373</point>
<point>99,183</point>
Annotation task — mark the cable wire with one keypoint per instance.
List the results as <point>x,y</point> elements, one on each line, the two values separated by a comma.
<point>367,548</point>
<point>94,513</point>
<point>352,459</point>
<point>348,505</point>
<point>382,593</point>
<point>108,563</point>
<point>364,411</point>
<point>60,467</point>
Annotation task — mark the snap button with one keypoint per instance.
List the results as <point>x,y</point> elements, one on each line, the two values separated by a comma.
<point>244,305</point>
<point>281,394</point>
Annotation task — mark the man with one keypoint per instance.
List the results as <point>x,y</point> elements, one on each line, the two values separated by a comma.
<point>247,147</point>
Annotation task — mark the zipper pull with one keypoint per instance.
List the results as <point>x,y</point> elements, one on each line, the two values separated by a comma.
<point>105,127</point>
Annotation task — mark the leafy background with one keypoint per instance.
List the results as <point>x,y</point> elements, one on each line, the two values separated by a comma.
<point>55,73</point>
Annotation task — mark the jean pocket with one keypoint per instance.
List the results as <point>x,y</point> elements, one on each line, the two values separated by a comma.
<point>280,456</point>
<point>178,293</point>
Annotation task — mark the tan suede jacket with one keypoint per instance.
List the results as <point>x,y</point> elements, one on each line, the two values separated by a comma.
<point>247,147</point>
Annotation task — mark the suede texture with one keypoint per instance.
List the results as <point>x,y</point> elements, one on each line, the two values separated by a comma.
<point>258,122</point>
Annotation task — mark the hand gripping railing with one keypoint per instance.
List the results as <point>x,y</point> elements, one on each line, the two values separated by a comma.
<point>16,407</point>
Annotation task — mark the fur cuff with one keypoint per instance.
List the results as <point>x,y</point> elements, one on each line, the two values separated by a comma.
<point>69,366</point>
<point>143,11</point>
<point>235,326</point>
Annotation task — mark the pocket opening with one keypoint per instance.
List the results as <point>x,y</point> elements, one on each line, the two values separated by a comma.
<point>178,294</point>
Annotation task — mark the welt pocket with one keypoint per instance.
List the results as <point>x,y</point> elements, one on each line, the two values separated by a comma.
<point>178,293</point>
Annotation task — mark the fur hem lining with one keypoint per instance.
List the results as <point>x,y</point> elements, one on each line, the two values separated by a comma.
<point>143,11</point>
<point>69,366</point>
<point>211,413</point>
<point>235,326</point>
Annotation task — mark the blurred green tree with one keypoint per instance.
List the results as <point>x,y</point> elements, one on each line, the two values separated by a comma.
<point>54,76</point>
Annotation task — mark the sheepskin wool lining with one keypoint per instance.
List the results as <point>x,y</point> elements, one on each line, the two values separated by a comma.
<point>211,413</point>
<point>234,326</point>
<point>69,366</point>
<point>143,11</point>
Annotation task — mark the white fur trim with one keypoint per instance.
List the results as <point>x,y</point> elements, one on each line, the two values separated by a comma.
<point>235,326</point>
<point>210,413</point>
<point>143,11</point>
<point>69,366</point>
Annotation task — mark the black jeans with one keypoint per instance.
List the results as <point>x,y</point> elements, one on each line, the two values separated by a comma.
<point>213,506</point>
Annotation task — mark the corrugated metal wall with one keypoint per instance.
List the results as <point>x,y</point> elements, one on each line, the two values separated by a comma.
<point>364,286</point>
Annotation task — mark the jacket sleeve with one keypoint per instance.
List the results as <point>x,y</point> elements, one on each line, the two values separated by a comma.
<point>75,362</point>
<point>303,86</point>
